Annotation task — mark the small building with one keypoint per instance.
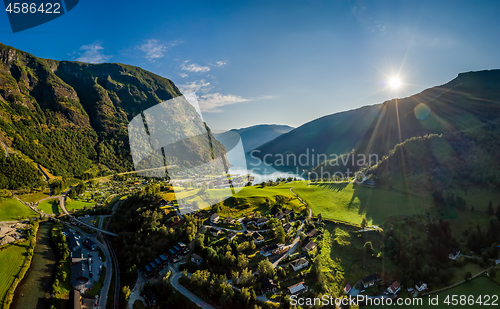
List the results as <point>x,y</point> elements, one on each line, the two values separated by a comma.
<point>454,254</point>
<point>288,228</point>
<point>154,265</point>
<point>421,286</point>
<point>312,233</point>
<point>195,258</point>
<point>297,288</point>
<point>158,262</point>
<point>347,288</point>
<point>231,236</point>
<point>229,220</point>
<point>257,238</point>
<point>272,249</point>
<point>177,249</point>
<point>150,297</point>
<point>173,253</point>
<point>247,233</point>
<point>310,246</point>
<point>215,232</point>
<point>394,288</point>
<point>184,248</point>
<point>279,215</point>
<point>370,280</point>
<point>164,260</point>
<point>261,222</point>
<point>214,218</point>
<point>299,264</point>
<point>268,285</point>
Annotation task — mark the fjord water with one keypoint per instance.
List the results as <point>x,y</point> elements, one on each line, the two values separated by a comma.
<point>34,289</point>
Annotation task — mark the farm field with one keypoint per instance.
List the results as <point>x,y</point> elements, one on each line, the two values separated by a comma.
<point>11,209</point>
<point>11,259</point>
<point>49,206</point>
<point>347,202</point>
<point>478,287</point>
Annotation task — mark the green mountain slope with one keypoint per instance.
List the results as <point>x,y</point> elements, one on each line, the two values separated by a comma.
<point>469,100</point>
<point>254,136</point>
<point>69,116</point>
<point>450,161</point>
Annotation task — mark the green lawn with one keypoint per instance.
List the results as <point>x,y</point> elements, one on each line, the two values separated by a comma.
<point>72,204</point>
<point>478,287</point>
<point>11,209</point>
<point>349,202</point>
<point>11,259</point>
<point>49,206</point>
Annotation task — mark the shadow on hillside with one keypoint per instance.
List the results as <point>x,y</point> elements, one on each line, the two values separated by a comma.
<point>334,186</point>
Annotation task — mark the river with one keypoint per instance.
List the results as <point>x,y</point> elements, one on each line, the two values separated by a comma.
<point>34,289</point>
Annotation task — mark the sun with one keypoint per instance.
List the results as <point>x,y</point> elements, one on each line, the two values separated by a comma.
<point>395,83</point>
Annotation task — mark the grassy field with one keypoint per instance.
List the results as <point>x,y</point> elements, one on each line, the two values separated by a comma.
<point>348,249</point>
<point>11,209</point>
<point>34,197</point>
<point>251,198</point>
<point>72,204</point>
<point>49,206</point>
<point>347,202</point>
<point>11,259</point>
<point>478,287</point>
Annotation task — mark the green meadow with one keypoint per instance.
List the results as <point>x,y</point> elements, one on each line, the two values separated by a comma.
<point>49,206</point>
<point>11,209</point>
<point>72,204</point>
<point>349,202</point>
<point>11,259</point>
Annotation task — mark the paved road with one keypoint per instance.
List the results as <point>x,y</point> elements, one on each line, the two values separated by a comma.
<point>62,203</point>
<point>174,280</point>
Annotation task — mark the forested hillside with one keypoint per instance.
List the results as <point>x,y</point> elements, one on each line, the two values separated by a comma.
<point>70,116</point>
<point>469,100</point>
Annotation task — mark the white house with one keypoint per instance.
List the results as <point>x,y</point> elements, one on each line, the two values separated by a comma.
<point>214,218</point>
<point>421,286</point>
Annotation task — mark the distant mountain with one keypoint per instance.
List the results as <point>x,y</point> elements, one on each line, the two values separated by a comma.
<point>469,100</point>
<point>69,116</point>
<point>255,136</point>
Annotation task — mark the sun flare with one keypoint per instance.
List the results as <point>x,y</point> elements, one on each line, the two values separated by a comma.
<point>395,83</point>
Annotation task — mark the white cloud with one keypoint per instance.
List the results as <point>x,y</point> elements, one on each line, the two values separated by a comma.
<point>198,85</point>
<point>220,63</point>
<point>92,53</point>
<point>183,75</point>
<point>155,49</point>
<point>193,67</point>
<point>212,102</point>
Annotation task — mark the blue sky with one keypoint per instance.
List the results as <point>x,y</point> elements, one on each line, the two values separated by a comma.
<point>284,62</point>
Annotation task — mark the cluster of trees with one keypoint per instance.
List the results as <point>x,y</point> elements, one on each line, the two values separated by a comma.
<point>62,254</point>
<point>421,257</point>
<point>79,189</point>
<point>450,200</point>
<point>223,259</point>
<point>216,287</point>
<point>145,232</point>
